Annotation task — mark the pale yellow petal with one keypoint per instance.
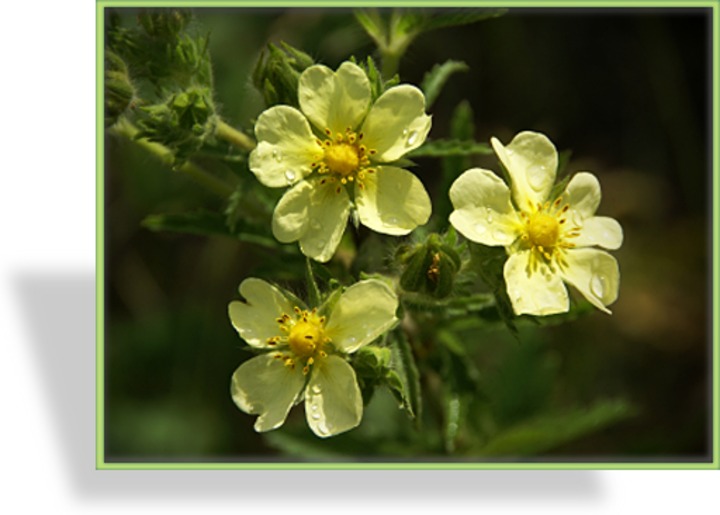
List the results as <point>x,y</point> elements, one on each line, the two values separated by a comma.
<point>264,386</point>
<point>334,100</point>
<point>595,274</point>
<point>314,213</point>
<point>483,211</point>
<point>583,195</point>
<point>601,231</point>
<point>327,218</point>
<point>286,147</point>
<point>392,201</point>
<point>254,319</point>
<point>531,160</point>
<point>290,218</point>
<point>333,402</point>
<point>396,123</point>
<point>362,313</point>
<point>533,292</point>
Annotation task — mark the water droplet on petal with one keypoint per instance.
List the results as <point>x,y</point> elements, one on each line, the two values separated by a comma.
<point>316,390</point>
<point>597,285</point>
<point>497,234</point>
<point>393,220</point>
<point>315,416</point>
<point>405,132</point>
<point>412,138</point>
<point>537,177</point>
<point>277,155</point>
<point>352,340</point>
<point>480,229</point>
<point>490,217</point>
<point>290,176</point>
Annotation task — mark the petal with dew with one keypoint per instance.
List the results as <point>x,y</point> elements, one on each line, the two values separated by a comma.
<point>334,100</point>
<point>583,195</point>
<point>595,274</point>
<point>601,231</point>
<point>254,319</point>
<point>535,292</point>
<point>362,313</point>
<point>333,402</point>
<point>483,211</point>
<point>327,218</point>
<point>531,160</point>
<point>286,147</point>
<point>392,201</point>
<point>396,123</point>
<point>264,386</point>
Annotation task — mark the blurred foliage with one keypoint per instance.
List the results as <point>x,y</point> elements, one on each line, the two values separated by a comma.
<point>582,384</point>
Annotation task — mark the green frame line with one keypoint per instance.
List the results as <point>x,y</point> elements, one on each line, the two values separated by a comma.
<point>101,464</point>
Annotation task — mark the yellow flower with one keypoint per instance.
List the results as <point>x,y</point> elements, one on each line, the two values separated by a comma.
<point>305,353</point>
<point>333,153</point>
<point>550,241</point>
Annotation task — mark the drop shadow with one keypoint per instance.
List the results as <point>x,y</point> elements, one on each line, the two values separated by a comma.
<point>59,314</point>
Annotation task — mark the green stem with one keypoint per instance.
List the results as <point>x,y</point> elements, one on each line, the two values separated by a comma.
<point>390,63</point>
<point>234,136</point>
<point>209,181</point>
<point>313,290</point>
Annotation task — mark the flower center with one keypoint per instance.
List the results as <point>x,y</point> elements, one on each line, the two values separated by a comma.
<point>547,234</point>
<point>543,230</point>
<point>342,158</point>
<point>305,338</point>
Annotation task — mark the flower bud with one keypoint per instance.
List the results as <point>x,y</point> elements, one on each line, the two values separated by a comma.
<point>430,267</point>
<point>119,91</point>
<point>277,72</point>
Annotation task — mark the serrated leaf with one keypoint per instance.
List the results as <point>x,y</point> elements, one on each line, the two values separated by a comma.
<point>436,78</point>
<point>403,376</point>
<point>206,223</point>
<point>546,432</point>
<point>459,17</point>
<point>372,22</point>
<point>488,262</point>
<point>451,148</point>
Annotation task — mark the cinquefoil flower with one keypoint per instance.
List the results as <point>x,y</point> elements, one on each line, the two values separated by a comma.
<point>305,353</point>
<point>333,152</point>
<point>550,241</point>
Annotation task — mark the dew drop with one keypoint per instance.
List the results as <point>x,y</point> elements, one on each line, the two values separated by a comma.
<point>597,285</point>
<point>393,220</point>
<point>352,340</point>
<point>412,138</point>
<point>405,132</point>
<point>537,177</point>
<point>497,234</point>
<point>277,155</point>
<point>315,416</point>
<point>290,176</point>
<point>480,229</point>
<point>316,390</point>
<point>490,219</point>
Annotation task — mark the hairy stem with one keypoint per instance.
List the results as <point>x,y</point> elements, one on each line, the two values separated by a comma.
<point>233,136</point>
<point>198,174</point>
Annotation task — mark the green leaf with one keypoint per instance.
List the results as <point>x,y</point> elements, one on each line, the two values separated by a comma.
<point>207,223</point>
<point>458,17</point>
<point>404,377</point>
<point>451,148</point>
<point>374,25</point>
<point>436,78</point>
<point>546,432</point>
<point>488,262</point>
